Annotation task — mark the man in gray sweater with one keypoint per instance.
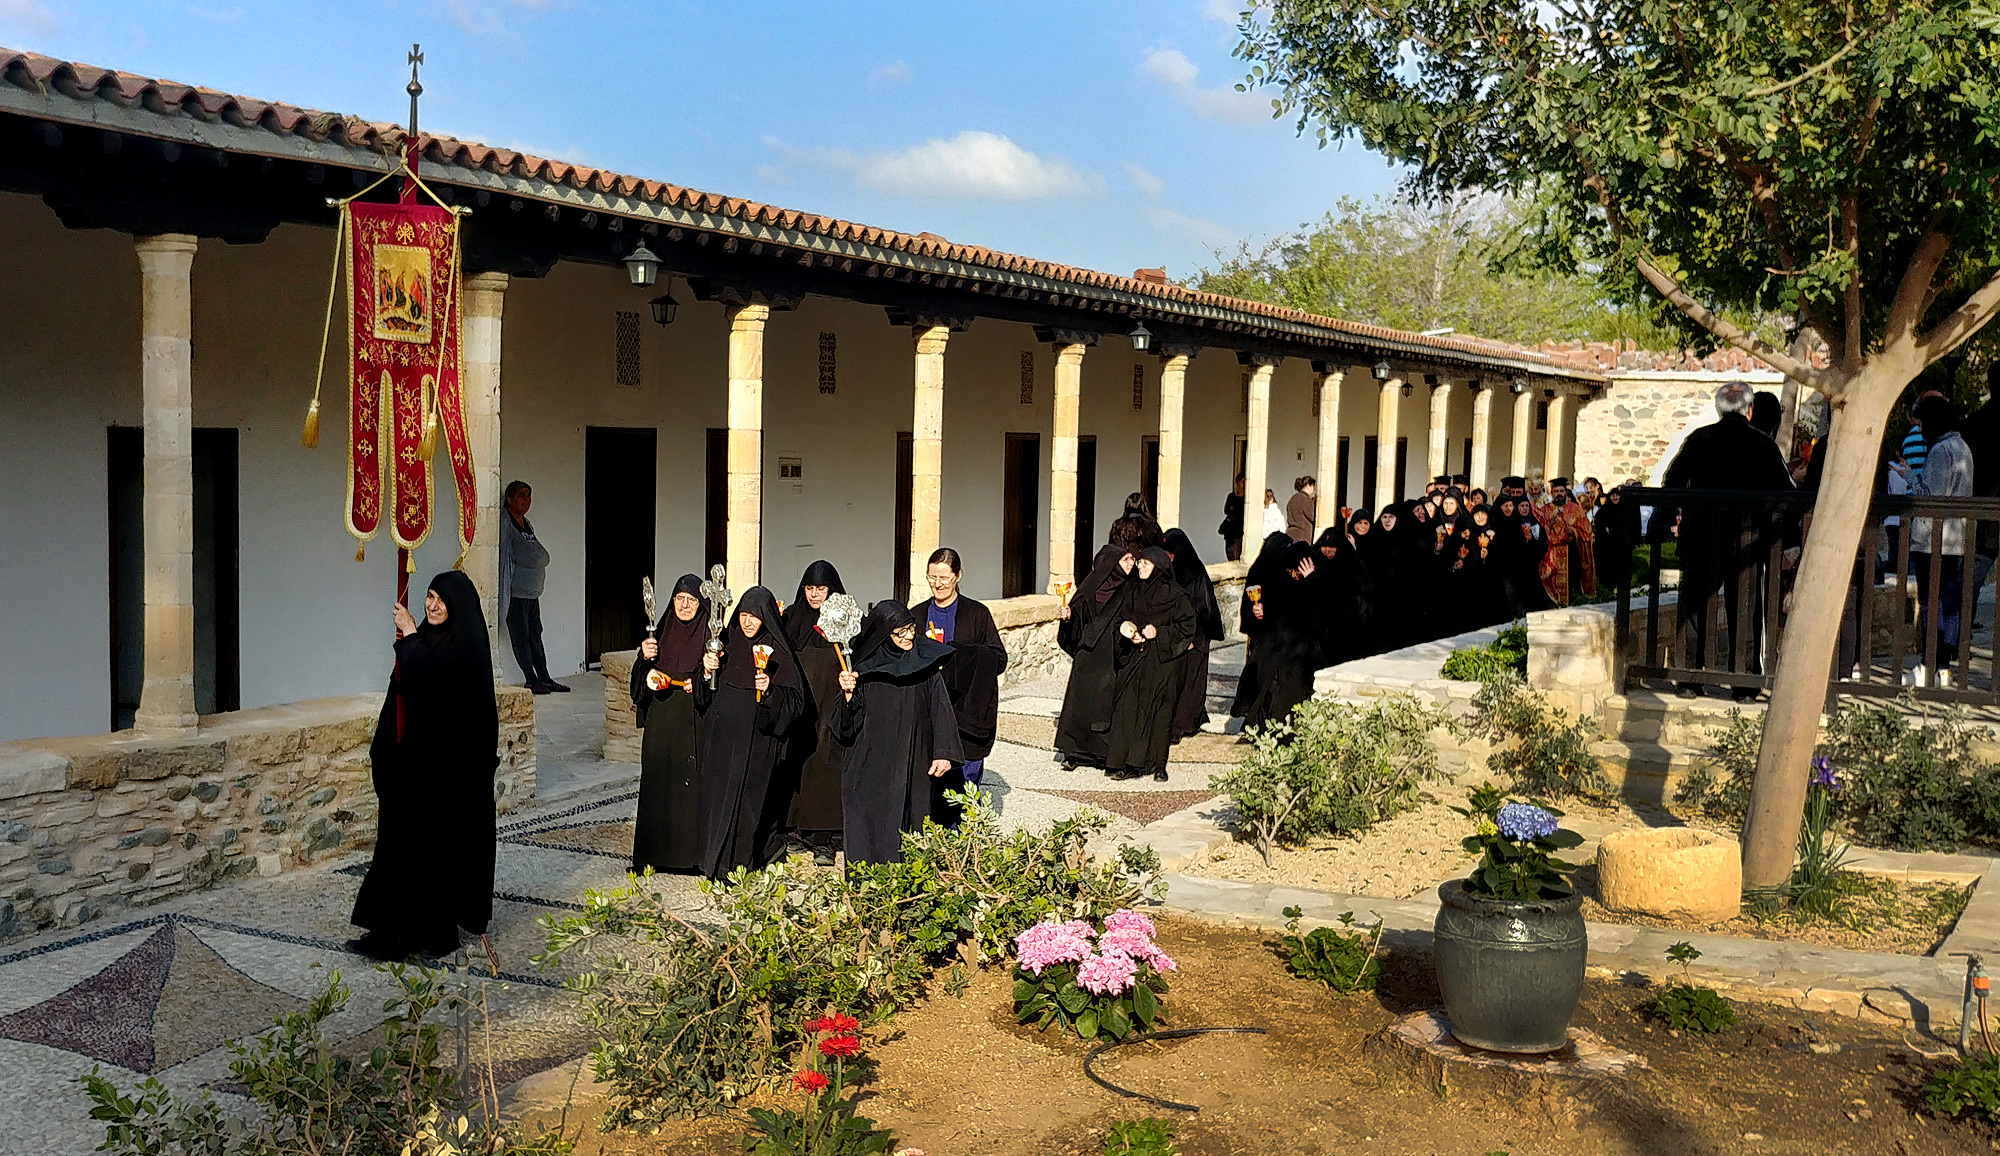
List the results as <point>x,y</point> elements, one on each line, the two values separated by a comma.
<point>524,564</point>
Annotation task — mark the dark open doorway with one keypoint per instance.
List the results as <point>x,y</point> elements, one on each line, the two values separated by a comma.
<point>1371,456</point>
<point>619,482</point>
<point>1086,502</point>
<point>1021,525</point>
<point>905,467</point>
<point>1340,478</point>
<point>1149,472</point>
<point>217,677</point>
<point>1402,467</point>
<point>715,527</point>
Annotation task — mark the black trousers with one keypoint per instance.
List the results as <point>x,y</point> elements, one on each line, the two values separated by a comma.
<point>524,630</point>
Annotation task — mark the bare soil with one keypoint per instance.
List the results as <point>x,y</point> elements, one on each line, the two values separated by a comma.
<point>956,1075</point>
<point>1875,914</point>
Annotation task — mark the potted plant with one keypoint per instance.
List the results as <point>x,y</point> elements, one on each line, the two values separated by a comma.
<point>1509,939</point>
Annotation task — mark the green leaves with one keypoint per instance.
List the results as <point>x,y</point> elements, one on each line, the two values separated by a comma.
<point>1347,962</point>
<point>1054,997</point>
<point>1689,1008</point>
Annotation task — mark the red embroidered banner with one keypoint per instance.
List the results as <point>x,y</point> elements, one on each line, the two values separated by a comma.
<point>406,343</point>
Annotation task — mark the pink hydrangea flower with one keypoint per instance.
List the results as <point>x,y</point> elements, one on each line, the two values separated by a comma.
<point>1124,919</point>
<point>1047,944</point>
<point>1131,941</point>
<point>1108,974</point>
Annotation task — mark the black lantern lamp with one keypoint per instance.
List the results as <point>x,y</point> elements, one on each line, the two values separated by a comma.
<point>1142,338</point>
<point>1381,371</point>
<point>642,266</point>
<point>1520,385</point>
<point>664,308</point>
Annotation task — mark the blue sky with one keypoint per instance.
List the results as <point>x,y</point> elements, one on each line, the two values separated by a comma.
<point>1103,133</point>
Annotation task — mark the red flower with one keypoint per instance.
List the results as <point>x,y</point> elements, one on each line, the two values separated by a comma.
<point>810,1081</point>
<point>840,1047</point>
<point>836,1023</point>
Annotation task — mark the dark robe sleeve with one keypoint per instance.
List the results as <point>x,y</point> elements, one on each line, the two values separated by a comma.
<point>845,722</point>
<point>944,723</point>
<point>1176,632</point>
<point>642,695</point>
<point>780,710</point>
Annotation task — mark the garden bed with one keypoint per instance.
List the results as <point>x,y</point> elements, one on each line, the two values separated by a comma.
<point>956,1076</point>
<point>1876,914</point>
<point>1407,855</point>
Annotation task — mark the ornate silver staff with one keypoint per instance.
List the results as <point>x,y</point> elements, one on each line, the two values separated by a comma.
<point>719,598</point>
<point>839,622</point>
<point>652,607</point>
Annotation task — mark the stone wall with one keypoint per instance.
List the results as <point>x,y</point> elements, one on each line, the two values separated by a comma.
<point>1027,628</point>
<point>1641,417</point>
<point>95,824</point>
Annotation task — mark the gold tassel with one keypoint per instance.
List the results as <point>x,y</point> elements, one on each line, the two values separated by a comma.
<point>361,552</point>
<point>310,438</point>
<point>410,561</point>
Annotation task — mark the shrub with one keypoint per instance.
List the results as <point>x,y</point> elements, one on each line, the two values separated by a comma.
<point>401,1098</point>
<point>1509,652</point>
<point>690,1017</point>
<point>1550,752</point>
<point>1334,767</point>
<point>1970,1085</point>
<point>1911,781</point>
<point>1151,1136</point>
<point>1104,984</point>
<point>1346,961</point>
<point>1690,1008</point>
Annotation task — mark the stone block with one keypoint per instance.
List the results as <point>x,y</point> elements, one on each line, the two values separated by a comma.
<point>1670,872</point>
<point>148,763</point>
<point>270,864</point>
<point>28,771</point>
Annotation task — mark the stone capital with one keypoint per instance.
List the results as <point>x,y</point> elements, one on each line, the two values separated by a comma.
<point>930,340</point>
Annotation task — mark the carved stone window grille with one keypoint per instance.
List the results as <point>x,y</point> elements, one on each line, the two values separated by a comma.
<point>827,379</point>
<point>628,350</point>
<point>1027,377</point>
<point>1138,387</point>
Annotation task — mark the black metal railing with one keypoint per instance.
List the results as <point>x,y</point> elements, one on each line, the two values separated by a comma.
<point>1729,559</point>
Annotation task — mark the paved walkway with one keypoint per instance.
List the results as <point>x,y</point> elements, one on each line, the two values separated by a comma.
<point>158,995</point>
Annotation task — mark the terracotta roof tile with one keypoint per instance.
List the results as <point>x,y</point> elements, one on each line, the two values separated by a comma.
<point>37,72</point>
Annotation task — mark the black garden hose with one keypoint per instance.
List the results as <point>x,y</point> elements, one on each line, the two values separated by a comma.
<point>1175,1034</point>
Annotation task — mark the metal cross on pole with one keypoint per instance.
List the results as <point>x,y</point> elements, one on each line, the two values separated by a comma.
<point>411,153</point>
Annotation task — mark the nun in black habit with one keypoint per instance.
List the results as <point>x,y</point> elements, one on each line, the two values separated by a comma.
<point>1191,708</point>
<point>1154,632</point>
<point>1255,617</point>
<point>1288,650</point>
<point>745,720</point>
<point>1343,597</point>
<point>812,759</point>
<point>896,721</point>
<point>1085,635</point>
<point>436,747</point>
<point>1521,550</point>
<point>667,833</point>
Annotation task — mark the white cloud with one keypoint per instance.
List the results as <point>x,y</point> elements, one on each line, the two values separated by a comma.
<point>28,16</point>
<point>489,17</point>
<point>1207,234</point>
<point>1223,11</point>
<point>970,166</point>
<point>1172,68</point>
<point>1148,183</point>
<point>895,72</point>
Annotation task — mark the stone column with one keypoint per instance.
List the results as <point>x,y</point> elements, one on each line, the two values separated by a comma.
<point>1553,445</point>
<point>1387,417</point>
<point>1326,511</point>
<point>1524,424</point>
<point>746,445</point>
<point>1257,450</point>
<point>1482,433</point>
<point>1062,463</point>
<point>166,342</point>
<point>1439,441</point>
<point>485,299</point>
<point>926,453</point>
<point>1173,405</point>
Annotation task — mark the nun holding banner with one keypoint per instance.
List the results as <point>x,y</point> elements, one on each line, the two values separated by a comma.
<point>667,833</point>
<point>896,720</point>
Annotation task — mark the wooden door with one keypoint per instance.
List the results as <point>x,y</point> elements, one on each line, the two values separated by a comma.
<point>1086,503</point>
<point>715,527</point>
<point>905,470</point>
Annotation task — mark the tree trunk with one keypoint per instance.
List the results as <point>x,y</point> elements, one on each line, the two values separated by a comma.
<point>1791,725</point>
